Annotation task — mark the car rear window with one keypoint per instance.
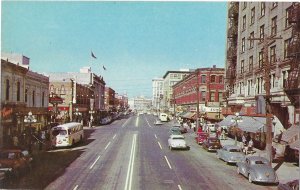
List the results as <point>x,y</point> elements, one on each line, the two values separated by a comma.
<point>234,150</point>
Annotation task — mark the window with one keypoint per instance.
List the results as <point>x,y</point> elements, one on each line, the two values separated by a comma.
<point>43,99</point>
<point>273,81</point>
<point>274,4</point>
<point>284,81</point>
<point>260,59</point>
<point>252,15</point>
<point>274,26</point>
<point>287,16</point>
<point>62,90</point>
<point>212,96</point>
<point>251,42</point>
<point>273,54</point>
<point>250,63</point>
<point>213,78</point>
<point>261,32</point>
<point>18,91</point>
<point>203,95</point>
<point>244,5</point>
<point>243,45</point>
<point>220,96</point>
<point>26,94</point>
<point>33,98</point>
<point>203,78</point>
<point>286,44</point>
<point>221,79</point>
<point>262,8</point>
<point>244,23</point>
<point>7,90</point>
<point>242,66</point>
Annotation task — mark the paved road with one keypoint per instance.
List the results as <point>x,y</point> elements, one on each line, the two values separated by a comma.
<point>133,154</point>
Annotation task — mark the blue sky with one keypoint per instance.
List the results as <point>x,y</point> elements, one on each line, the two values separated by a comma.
<point>135,41</point>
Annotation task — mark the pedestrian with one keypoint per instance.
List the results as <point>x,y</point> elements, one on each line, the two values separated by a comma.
<point>15,140</point>
<point>250,146</point>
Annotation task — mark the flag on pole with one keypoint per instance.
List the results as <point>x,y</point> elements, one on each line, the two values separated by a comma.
<point>92,54</point>
<point>104,68</point>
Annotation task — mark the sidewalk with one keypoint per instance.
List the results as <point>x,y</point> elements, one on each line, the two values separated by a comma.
<point>286,172</point>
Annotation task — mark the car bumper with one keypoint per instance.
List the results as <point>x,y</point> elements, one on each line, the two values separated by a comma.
<point>265,180</point>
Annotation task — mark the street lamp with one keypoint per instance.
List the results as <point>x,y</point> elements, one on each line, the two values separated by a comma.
<point>237,119</point>
<point>77,114</point>
<point>30,119</point>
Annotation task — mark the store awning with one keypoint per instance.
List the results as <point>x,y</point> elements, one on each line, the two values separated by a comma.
<point>188,115</point>
<point>213,116</point>
<point>291,134</point>
<point>227,121</point>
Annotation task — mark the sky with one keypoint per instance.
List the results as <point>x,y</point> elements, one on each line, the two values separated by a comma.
<point>134,41</point>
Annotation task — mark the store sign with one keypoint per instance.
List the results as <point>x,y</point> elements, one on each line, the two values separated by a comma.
<point>213,104</point>
<point>55,100</point>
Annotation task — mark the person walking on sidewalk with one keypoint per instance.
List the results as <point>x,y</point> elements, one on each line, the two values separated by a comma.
<point>250,146</point>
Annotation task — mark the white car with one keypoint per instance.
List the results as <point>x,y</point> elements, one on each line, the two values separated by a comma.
<point>158,122</point>
<point>230,154</point>
<point>177,142</point>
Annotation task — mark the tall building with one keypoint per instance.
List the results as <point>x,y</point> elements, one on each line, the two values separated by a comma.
<point>157,92</point>
<point>260,41</point>
<point>170,78</point>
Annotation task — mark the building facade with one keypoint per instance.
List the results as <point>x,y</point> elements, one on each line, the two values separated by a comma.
<point>157,92</point>
<point>141,104</point>
<point>109,100</point>
<point>259,35</point>
<point>23,92</point>
<point>169,79</point>
<point>203,88</point>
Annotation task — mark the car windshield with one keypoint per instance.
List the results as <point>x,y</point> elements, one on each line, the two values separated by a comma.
<point>178,138</point>
<point>59,132</point>
<point>213,140</point>
<point>259,162</point>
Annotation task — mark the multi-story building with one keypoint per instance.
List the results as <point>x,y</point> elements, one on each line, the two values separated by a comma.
<point>23,93</point>
<point>262,44</point>
<point>204,87</point>
<point>109,100</point>
<point>170,78</point>
<point>141,104</point>
<point>157,92</point>
<point>121,102</point>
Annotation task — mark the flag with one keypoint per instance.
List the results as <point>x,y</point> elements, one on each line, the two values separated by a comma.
<point>104,68</point>
<point>92,54</point>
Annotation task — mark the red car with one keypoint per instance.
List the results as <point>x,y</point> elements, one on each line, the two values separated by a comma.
<point>201,136</point>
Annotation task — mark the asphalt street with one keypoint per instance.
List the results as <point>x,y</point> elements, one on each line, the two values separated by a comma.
<point>132,154</point>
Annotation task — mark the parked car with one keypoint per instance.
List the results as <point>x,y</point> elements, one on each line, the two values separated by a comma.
<point>175,131</point>
<point>182,129</point>
<point>291,185</point>
<point>201,136</point>
<point>15,161</point>
<point>177,142</point>
<point>257,169</point>
<point>231,154</point>
<point>212,144</point>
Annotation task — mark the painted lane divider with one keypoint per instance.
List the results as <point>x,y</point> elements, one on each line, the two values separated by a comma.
<point>155,136</point>
<point>128,183</point>
<point>75,187</point>
<point>159,145</point>
<point>168,162</point>
<point>94,162</point>
<point>179,187</point>
<point>114,136</point>
<point>107,146</point>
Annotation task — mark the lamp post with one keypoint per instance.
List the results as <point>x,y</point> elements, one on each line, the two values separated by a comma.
<point>30,119</point>
<point>237,119</point>
<point>77,114</point>
<point>197,100</point>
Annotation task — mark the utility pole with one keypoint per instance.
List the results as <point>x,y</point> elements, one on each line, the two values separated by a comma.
<point>267,85</point>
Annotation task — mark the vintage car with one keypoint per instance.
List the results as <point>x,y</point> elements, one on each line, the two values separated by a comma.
<point>15,161</point>
<point>257,169</point>
<point>211,144</point>
<point>175,131</point>
<point>231,154</point>
<point>291,185</point>
<point>201,136</point>
<point>177,142</point>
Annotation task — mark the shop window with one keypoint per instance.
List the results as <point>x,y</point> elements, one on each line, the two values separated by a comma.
<point>18,91</point>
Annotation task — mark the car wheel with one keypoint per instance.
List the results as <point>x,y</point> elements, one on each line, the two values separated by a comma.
<point>249,178</point>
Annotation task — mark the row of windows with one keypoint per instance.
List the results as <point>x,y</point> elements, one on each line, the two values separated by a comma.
<point>33,94</point>
<point>213,79</point>
<point>213,96</point>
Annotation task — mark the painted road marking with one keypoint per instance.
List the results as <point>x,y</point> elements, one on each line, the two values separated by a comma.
<point>125,122</point>
<point>114,136</point>
<point>179,187</point>
<point>137,121</point>
<point>75,187</point>
<point>130,164</point>
<point>107,146</point>
<point>94,162</point>
<point>168,162</point>
<point>148,123</point>
<point>155,136</point>
<point>159,145</point>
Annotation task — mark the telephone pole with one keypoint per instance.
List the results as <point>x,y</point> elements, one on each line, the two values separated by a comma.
<point>267,86</point>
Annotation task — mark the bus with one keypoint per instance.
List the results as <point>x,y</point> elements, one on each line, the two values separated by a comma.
<point>163,117</point>
<point>67,134</point>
